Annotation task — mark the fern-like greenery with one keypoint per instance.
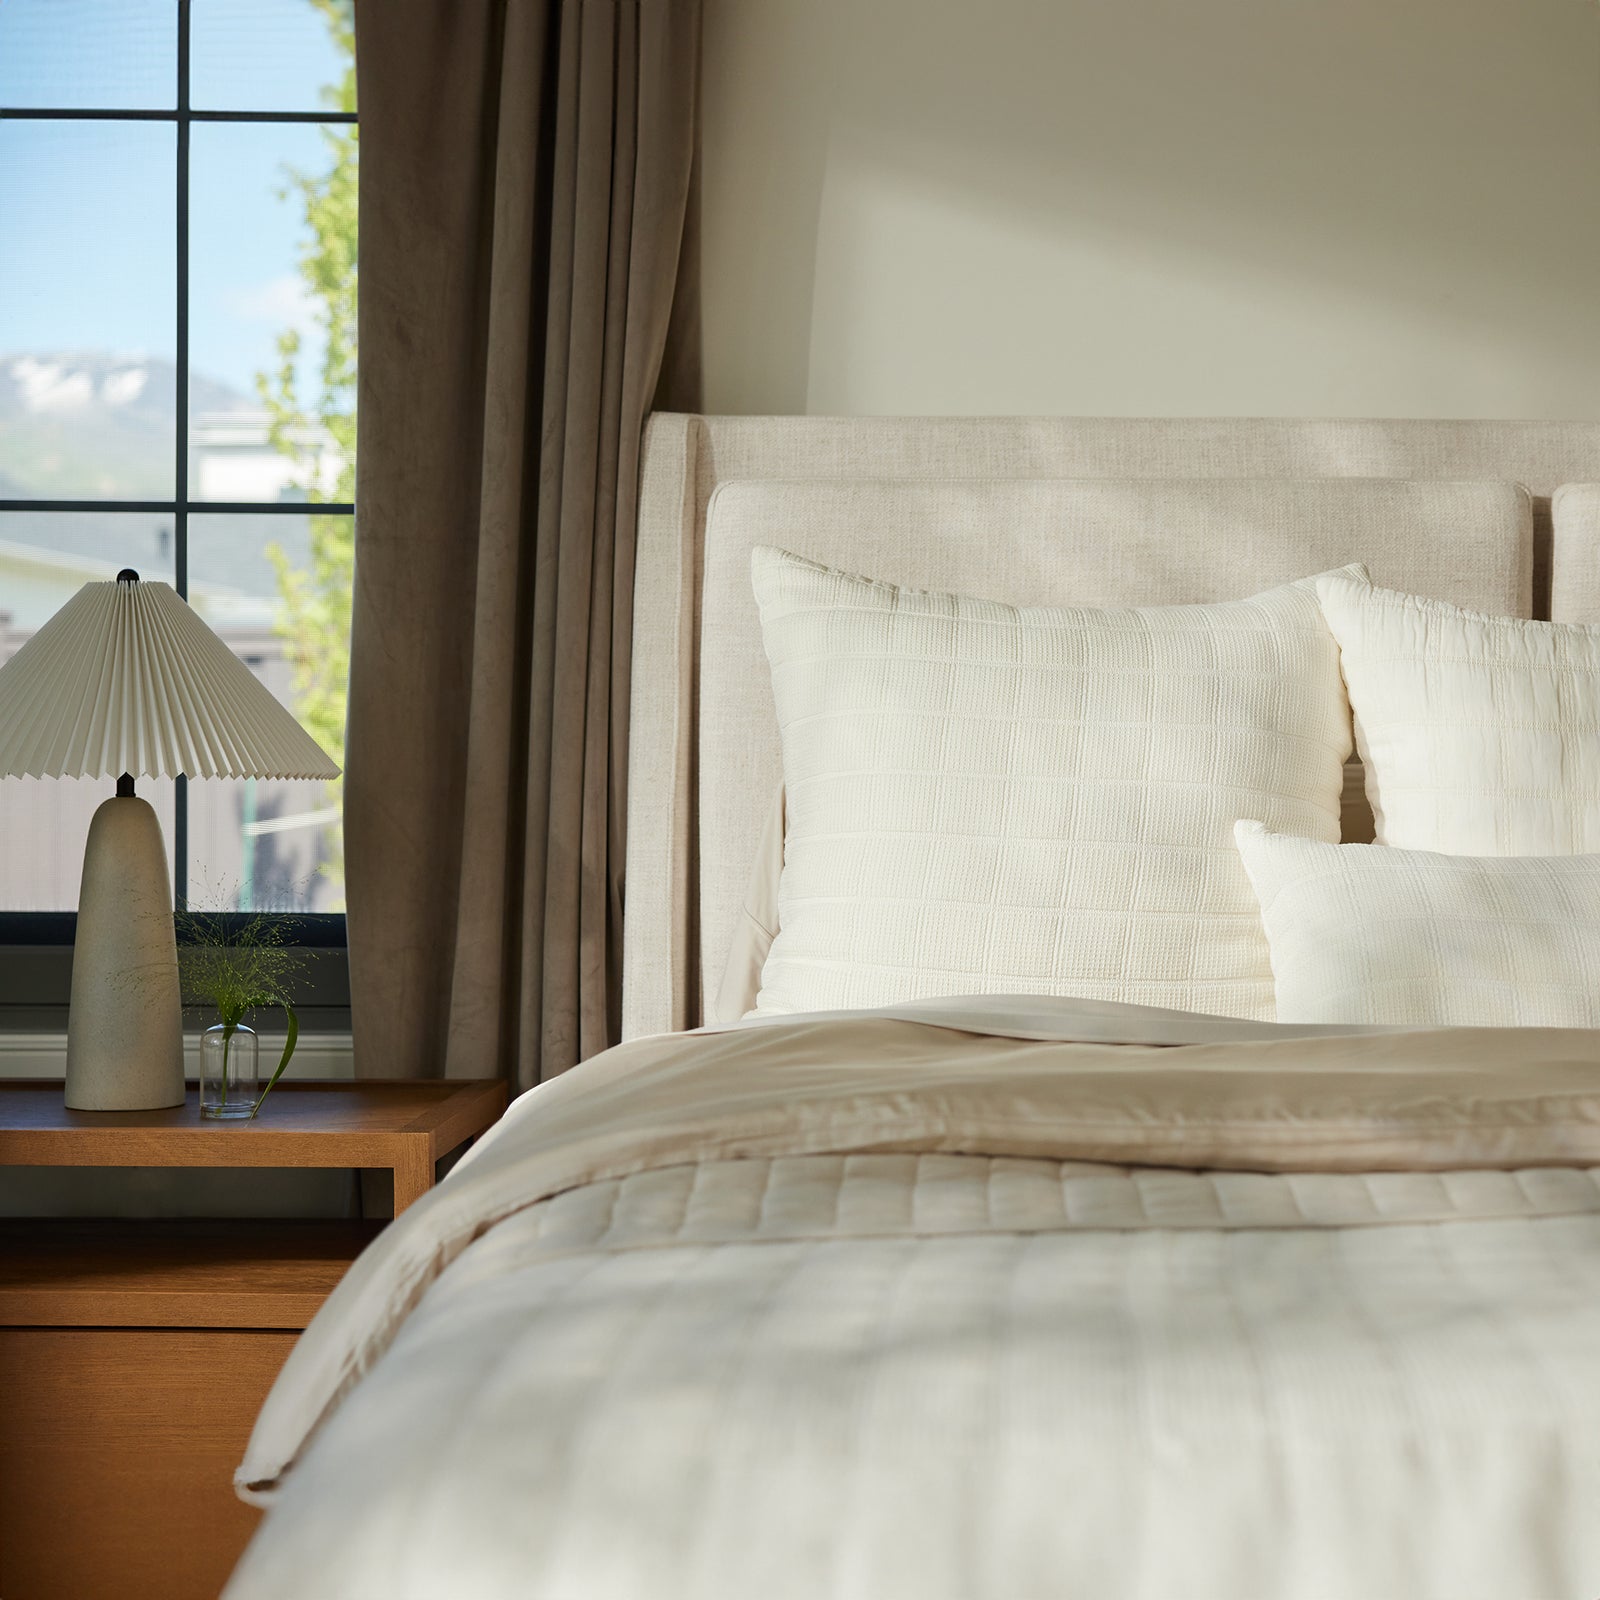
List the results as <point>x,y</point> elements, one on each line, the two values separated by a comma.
<point>235,966</point>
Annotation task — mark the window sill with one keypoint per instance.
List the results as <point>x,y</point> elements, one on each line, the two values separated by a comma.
<point>43,1054</point>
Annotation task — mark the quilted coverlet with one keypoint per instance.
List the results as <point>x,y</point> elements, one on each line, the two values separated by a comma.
<point>886,1306</point>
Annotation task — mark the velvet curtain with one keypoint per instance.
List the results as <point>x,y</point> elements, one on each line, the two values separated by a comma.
<point>525,171</point>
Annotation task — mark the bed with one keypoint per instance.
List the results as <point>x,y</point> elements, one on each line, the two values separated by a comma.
<point>986,1295</point>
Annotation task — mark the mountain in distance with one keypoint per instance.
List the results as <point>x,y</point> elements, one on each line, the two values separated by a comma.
<point>98,426</point>
<point>90,424</point>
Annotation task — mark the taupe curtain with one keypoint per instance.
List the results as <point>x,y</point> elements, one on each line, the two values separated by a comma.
<point>525,168</point>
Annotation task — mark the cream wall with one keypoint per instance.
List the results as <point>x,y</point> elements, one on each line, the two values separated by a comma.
<point>1153,207</point>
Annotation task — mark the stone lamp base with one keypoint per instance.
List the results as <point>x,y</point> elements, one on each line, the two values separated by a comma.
<point>125,1029</point>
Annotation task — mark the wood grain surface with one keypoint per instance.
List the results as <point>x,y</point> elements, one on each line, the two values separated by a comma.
<point>135,1355</point>
<point>211,1274</point>
<point>369,1123</point>
<point>117,1450</point>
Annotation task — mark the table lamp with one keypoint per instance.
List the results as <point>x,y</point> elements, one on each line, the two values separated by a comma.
<point>125,681</point>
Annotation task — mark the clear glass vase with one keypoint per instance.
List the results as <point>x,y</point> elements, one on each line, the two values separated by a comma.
<point>230,1064</point>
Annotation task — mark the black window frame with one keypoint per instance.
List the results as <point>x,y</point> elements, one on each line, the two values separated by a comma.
<point>42,931</point>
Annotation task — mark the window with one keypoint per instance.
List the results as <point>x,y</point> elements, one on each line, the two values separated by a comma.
<point>177,391</point>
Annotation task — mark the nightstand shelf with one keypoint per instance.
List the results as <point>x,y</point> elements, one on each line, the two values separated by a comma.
<point>134,1355</point>
<point>172,1274</point>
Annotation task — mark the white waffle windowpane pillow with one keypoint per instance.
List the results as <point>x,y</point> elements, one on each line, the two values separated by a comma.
<point>1368,933</point>
<point>984,798</point>
<point>1480,735</point>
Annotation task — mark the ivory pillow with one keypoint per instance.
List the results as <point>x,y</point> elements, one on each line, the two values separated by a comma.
<point>1480,735</point>
<point>1368,933</point>
<point>991,799</point>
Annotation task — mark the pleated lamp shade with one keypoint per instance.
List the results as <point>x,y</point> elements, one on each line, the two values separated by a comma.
<point>125,677</point>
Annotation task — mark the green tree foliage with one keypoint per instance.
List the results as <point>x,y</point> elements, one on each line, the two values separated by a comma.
<point>313,421</point>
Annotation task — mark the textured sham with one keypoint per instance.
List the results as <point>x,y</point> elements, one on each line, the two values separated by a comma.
<point>1480,735</point>
<point>985,798</point>
<point>1369,933</point>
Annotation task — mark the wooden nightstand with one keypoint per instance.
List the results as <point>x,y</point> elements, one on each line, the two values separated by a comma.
<point>134,1355</point>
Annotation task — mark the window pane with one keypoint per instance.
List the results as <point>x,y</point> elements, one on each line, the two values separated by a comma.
<point>272,55</point>
<point>272,253</point>
<point>87,309</point>
<point>105,55</point>
<point>277,589</point>
<point>53,815</point>
<point>45,557</point>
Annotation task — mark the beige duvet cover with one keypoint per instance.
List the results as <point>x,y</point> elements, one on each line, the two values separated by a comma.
<point>975,1301</point>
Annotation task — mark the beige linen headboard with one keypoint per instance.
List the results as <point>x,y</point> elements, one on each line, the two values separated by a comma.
<point>1033,510</point>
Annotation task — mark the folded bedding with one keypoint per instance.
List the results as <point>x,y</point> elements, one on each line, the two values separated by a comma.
<point>975,1298</point>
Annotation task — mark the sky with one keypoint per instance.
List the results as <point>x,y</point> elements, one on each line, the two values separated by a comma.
<point>87,209</point>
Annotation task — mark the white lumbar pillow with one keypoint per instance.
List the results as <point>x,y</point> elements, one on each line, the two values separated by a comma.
<point>1480,735</point>
<point>1368,933</point>
<point>984,798</point>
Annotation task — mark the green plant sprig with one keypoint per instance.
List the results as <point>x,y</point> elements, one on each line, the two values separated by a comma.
<point>239,968</point>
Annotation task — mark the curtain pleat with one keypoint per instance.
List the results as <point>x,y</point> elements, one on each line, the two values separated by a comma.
<point>525,174</point>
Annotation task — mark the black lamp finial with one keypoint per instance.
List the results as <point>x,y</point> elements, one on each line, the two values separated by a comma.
<point>127,575</point>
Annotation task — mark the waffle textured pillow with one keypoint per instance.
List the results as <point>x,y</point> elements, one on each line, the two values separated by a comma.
<point>984,798</point>
<point>1480,735</point>
<point>1368,933</point>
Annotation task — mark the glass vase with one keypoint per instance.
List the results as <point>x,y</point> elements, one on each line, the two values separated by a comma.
<point>229,1071</point>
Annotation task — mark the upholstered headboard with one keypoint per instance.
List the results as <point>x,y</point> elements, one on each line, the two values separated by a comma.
<point>1031,510</point>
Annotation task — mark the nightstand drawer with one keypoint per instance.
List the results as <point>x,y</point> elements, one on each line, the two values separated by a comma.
<point>133,1359</point>
<point>117,1450</point>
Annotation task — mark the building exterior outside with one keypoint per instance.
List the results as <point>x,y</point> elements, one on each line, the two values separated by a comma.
<point>253,844</point>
